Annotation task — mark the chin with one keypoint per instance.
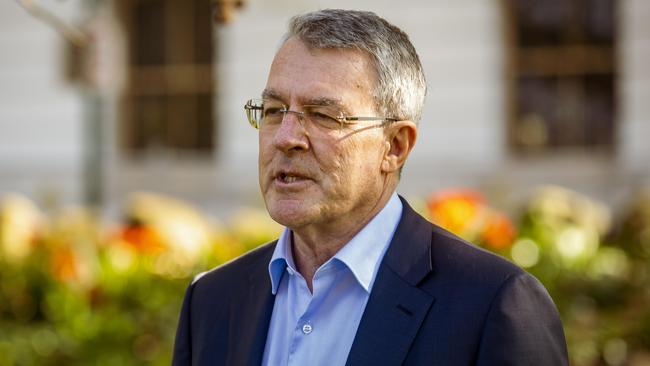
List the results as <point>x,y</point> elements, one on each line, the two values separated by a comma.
<point>290,213</point>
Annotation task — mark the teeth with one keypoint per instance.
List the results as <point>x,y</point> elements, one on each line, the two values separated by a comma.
<point>289,178</point>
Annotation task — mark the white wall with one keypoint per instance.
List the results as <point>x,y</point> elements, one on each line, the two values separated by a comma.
<point>634,100</point>
<point>40,114</point>
<point>462,134</point>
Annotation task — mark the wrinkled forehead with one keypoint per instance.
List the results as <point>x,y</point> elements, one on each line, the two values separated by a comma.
<point>300,74</point>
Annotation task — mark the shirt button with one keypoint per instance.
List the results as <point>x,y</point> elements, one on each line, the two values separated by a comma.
<point>306,328</point>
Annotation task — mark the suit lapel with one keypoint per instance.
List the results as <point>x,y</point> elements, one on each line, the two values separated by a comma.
<point>252,315</point>
<point>396,307</point>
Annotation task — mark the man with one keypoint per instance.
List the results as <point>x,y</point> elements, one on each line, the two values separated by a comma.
<point>357,277</point>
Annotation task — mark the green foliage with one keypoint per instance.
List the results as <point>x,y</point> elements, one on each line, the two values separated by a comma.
<point>74,291</point>
<point>597,273</point>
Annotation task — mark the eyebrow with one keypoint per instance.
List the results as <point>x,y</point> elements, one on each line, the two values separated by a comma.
<point>271,94</point>
<point>325,102</point>
<point>320,101</point>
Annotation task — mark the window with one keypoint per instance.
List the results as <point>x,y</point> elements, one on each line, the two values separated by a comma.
<point>561,75</point>
<point>168,104</point>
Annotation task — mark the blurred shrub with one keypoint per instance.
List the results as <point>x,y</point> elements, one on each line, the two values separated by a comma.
<point>466,213</point>
<point>75,291</point>
<point>78,291</point>
<point>598,275</point>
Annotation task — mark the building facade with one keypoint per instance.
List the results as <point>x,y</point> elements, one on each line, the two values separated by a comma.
<point>126,113</point>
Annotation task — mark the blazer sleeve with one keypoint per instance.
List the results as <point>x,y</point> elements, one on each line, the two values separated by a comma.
<point>183,343</point>
<point>522,327</point>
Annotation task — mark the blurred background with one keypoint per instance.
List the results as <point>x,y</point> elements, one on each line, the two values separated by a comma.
<point>127,165</point>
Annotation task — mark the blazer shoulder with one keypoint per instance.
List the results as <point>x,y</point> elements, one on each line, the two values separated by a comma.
<point>237,268</point>
<point>423,251</point>
<point>465,262</point>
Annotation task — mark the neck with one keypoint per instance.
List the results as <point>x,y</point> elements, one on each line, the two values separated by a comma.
<point>313,246</point>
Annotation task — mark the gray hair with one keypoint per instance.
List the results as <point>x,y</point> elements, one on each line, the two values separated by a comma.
<point>401,86</point>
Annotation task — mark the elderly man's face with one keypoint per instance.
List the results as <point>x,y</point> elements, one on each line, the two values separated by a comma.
<point>312,178</point>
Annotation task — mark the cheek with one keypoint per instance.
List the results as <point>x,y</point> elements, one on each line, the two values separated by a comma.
<point>366,154</point>
<point>351,167</point>
<point>368,164</point>
<point>330,160</point>
<point>266,150</point>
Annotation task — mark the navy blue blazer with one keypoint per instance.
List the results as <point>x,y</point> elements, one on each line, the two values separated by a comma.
<point>437,300</point>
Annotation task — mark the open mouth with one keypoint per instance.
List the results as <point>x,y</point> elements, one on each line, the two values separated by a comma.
<point>289,177</point>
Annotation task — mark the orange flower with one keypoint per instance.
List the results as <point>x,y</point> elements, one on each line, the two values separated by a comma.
<point>499,232</point>
<point>465,213</point>
<point>64,265</point>
<point>143,238</point>
<point>455,210</point>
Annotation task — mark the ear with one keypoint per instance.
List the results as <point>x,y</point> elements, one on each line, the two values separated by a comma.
<point>401,137</point>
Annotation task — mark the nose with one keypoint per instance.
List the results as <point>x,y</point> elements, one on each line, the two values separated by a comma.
<point>291,134</point>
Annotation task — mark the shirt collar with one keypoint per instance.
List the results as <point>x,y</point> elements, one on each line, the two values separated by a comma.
<point>361,255</point>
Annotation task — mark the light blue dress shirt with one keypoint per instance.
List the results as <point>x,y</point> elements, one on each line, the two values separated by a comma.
<point>319,328</point>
